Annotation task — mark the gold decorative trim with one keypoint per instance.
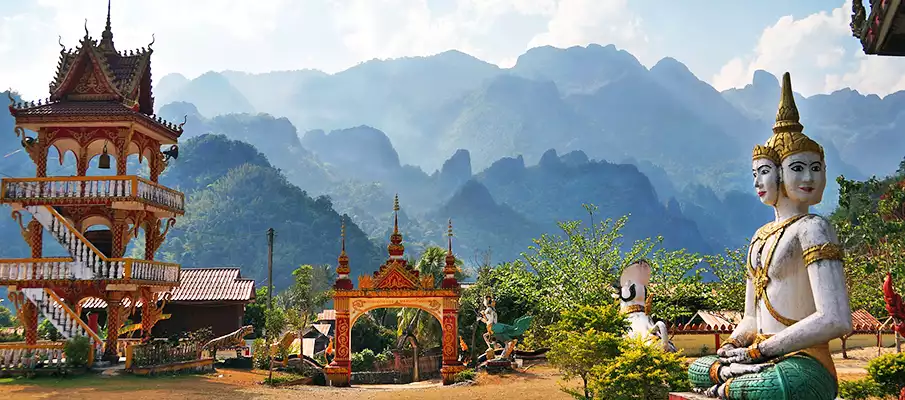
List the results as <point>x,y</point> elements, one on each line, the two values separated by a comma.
<point>632,309</point>
<point>733,341</point>
<point>715,372</point>
<point>754,352</point>
<point>826,251</point>
<point>761,277</point>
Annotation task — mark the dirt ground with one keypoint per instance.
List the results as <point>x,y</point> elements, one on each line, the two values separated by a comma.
<point>537,382</point>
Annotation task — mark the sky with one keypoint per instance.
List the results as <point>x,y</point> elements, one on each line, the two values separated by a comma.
<point>722,42</point>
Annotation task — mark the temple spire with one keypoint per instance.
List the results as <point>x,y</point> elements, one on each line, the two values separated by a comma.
<point>449,234</point>
<point>107,36</point>
<point>396,214</point>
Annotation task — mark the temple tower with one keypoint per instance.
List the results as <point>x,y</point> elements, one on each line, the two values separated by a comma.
<point>100,108</point>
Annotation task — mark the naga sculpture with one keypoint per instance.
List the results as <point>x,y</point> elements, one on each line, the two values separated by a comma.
<point>894,305</point>
<point>501,333</point>
<point>796,299</point>
<point>635,303</point>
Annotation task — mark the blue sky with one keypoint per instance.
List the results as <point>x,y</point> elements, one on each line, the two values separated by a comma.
<point>722,42</point>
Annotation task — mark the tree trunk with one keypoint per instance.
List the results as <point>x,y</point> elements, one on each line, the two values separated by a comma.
<point>898,343</point>
<point>844,353</point>
<point>584,381</point>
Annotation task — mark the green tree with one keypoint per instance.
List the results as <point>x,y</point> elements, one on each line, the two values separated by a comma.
<point>728,292</point>
<point>7,319</point>
<point>254,312</point>
<point>584,338</point>
<point>303,299</point>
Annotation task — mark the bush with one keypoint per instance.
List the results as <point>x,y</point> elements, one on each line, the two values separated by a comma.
<point>363,360</point>
<point>77,351</point>
<point>46,330</point>
<point>888,371</point>
<point>640,372</point>
<point>261,354</point>
<point>862,389</point>
<point>464,376</point>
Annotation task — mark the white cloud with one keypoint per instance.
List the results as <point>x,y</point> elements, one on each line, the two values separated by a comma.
<point>581,22</point>
<point>820,53</point>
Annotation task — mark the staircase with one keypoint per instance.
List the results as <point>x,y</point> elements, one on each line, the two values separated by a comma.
<point>63,318</point>
<point>89,262</point>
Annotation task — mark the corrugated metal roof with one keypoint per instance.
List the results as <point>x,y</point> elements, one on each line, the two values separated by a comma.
<point>202,284</point>
<point>720,318</point>
<point>327,315</point>
<point>862,319</point>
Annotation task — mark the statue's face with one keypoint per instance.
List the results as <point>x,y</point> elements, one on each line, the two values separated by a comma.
<point>766,180</point>
<point>804,177</point>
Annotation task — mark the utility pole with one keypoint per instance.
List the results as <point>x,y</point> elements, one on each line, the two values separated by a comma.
<point>270,268</point>
<point>269,297</point>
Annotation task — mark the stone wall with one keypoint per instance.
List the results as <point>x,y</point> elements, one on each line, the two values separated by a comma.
<point>380,378</point>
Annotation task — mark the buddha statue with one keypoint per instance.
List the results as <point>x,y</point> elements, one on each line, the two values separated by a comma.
<point>796,299</point>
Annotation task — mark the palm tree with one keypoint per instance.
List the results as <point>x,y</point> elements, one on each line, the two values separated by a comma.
<point>426,328</point>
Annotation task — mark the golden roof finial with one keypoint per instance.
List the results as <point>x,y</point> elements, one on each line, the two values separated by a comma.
<point>787,118</point>
<point>449,234</point>
<point>342,233</point>
<point>396,214</point>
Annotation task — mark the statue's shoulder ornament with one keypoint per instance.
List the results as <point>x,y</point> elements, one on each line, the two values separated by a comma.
<point>821,245</point>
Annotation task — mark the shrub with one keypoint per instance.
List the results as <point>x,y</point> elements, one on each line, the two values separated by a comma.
<point>261,354</point>
<point>47,331</point>
<point>464,376</point>
<point>363,360</point>
<point>862,389</point>
<point>77,351</point>
<point>888,371</point>
<point>639,372</point>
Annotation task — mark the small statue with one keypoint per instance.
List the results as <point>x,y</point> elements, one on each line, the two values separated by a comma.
<point>894,305</point>
<point>501,333</point>
<point>635,303</point>
<point>796,299</point>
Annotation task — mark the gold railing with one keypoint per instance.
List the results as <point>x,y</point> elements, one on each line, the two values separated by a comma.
<point>69,188</point>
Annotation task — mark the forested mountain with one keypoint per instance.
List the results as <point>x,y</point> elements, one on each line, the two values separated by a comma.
<point>233,200</point>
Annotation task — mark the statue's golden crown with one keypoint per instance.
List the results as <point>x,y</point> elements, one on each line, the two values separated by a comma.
<point>765,152</point>
<point>788,138</point>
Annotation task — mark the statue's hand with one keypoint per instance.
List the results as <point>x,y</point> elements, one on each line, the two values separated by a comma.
<point>734,370</point>
<point>743,355</point>
<point>721,352</point>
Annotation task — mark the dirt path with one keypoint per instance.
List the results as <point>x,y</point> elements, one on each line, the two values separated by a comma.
<point>537,383</point>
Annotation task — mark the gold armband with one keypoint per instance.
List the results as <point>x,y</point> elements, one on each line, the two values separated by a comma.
<point>754,352</point>
<point>826,251</point>
<point>733,341</point>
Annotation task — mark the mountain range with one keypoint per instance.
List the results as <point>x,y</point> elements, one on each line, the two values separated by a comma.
<point>504,153</point>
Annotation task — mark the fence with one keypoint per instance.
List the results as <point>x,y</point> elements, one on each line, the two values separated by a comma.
<point>19,357</point>
<point>160,352</point>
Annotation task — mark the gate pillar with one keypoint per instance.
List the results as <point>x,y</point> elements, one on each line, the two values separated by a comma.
<point>451,364</point>
<point>339,372</point>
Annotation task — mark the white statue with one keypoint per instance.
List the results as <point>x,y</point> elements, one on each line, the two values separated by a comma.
<point>488,317</point>
<point>796,299</point>
<point>635,303</point>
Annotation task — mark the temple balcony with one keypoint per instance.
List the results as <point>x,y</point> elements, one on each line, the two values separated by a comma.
<point>48,272</point>
<point>882,31</point>
<point>118,192</point>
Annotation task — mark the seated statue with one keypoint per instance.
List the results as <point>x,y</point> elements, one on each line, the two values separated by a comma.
<point>635,303</point>
<point>796,299</point>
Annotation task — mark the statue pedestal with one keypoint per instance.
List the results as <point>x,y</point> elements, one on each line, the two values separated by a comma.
<point>687,396</point>
<point>498,365</point>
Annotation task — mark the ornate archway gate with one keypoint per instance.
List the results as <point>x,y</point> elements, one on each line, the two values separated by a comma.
<point>395,284</point>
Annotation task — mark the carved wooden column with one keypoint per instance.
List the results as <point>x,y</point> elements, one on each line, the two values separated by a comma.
<point>81,161</point>
<point>27,313</point>
<point>451,364</point>
<point>152,235</point>
<point>118,231</point>
<point>114,321</point>
<point>339,372</point>
<point>36,240</point>
<point>122,148</point>
<point>155,163</point>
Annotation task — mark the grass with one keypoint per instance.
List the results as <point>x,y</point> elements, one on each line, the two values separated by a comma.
<point>120,383</point>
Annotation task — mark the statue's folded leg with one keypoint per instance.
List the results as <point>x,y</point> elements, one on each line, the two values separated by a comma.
<point>796,377</point>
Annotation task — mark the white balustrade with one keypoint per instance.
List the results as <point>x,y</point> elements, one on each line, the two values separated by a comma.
<point>33,270</point>
<point>92,188</point>
<point>26,357</point>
